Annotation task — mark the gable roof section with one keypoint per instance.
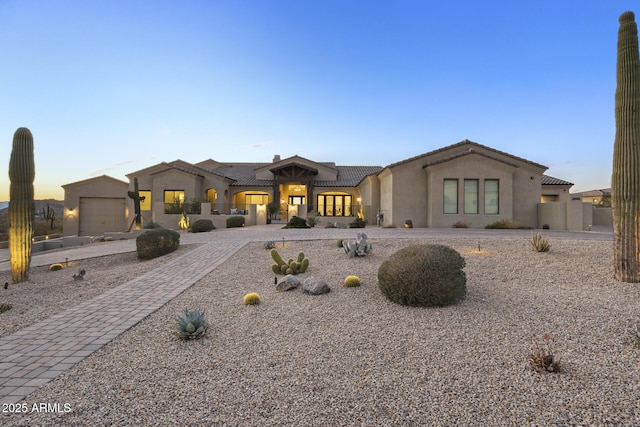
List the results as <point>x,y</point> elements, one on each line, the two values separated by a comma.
<point>472,145</point>
<point>96,179</point>
<point>466,153</point>
<point>349,176</point>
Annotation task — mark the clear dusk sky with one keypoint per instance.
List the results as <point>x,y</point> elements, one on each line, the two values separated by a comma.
<point>112,86</point>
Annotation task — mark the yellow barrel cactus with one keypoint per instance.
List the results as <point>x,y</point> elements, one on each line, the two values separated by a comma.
<point>252,298</point>
<point>352,281</point>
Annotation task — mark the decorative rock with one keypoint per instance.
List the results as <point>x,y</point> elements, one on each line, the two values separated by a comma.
<point>315,286</point>
<point>288,282</point>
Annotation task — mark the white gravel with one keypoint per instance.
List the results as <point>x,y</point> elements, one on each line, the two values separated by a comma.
<point>351,357</point>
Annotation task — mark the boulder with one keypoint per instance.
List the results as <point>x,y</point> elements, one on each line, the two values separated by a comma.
<point>315,286</point>
<point>287,283</point>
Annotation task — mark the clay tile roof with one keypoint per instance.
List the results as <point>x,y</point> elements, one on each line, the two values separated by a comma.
<point>549,180</point>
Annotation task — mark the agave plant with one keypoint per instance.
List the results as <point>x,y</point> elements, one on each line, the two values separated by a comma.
<point>191,325</point>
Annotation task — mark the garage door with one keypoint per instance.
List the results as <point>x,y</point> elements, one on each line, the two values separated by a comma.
<point>101,214</point>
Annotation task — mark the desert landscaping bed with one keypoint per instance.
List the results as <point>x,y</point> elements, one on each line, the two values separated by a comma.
<point>351,357</point>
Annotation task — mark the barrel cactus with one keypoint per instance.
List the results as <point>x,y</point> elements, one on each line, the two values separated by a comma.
<point>625,181</point>
<point>191,325</point>
<point>352,281</point>
<point>252,298</point>
<point>21,204</point>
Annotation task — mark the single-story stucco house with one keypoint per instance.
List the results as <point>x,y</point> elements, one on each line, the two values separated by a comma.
<point>464,182</point>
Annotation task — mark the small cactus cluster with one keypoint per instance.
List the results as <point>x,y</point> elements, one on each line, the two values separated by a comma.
<point>360,247</point>
<point>252,298</point>
<point>191,325</point>
<point>297,266</point>
<point>55,267</point>
<point>352,281</point>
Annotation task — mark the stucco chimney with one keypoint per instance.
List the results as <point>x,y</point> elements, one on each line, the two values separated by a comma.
<point>276,158</point>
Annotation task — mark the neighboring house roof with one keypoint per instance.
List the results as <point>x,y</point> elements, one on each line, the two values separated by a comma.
<point>460,144</point>
<point>595,193</point>
<point>349,176</point>
<point>549,180</point>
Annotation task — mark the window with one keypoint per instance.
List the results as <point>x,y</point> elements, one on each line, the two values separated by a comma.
<point>450,196</point>
<point>491,197</point>
<point>471,196</point>
<point>173,201</point>
<point>296,200</point>
<point>145,205</point>
<point>334,204</point>
<point>257,199</point>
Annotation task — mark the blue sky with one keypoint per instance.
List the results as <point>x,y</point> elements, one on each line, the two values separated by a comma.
<point>111,87</point>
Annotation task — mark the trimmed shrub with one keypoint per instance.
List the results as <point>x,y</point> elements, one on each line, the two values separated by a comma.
<point>424,276</point>
<point>150,225</point>
<point>296,222</point>
<point>507,224</point>
<point>358,223</point>
<point>157,242</point>
<point>202,226</point>
<point>235,221</point>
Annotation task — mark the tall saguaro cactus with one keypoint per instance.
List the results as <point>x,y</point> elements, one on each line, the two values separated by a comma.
<point>21,204</point>
<point>625,181</point>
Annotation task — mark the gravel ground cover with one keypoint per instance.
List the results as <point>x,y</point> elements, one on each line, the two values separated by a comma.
<point>351,357</point>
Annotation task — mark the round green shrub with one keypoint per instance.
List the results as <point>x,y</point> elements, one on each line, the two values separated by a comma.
<point>424,276</point>
<point>235,221</point>
<point>297,222</point>
<point>202,226</point>
<point>157,242</point>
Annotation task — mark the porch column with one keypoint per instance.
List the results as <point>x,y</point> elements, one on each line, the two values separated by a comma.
<point>310,196</point>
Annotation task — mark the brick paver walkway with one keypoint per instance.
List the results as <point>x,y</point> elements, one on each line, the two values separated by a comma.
<point>35,355</point>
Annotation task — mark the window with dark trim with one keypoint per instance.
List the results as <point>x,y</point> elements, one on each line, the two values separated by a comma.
<point>491,196</point>
<point>334,205</point>
<point>450,198</point>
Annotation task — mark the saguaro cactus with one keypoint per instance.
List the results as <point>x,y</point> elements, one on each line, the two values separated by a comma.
<point>21,204</point>
<point>625,180</point>
<point>135,195</point>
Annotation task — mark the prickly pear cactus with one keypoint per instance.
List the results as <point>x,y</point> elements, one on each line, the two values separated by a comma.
<point>21,204</point>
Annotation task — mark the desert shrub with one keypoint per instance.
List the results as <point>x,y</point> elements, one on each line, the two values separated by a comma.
<point>55,267</point>
<point>191,325</point>
<point>202,226</point>
<point>461,224</point>
<point>150,225</point>
<point>358,223</point>
<point>543,357</point>
<point>252,298</point>
<point>352,281</point>
<point>235,221</point>
<point>539,243</point>
<point>508,224</point>
<point>424,276</point>
<point>296,222</point>
<point>157,242</point>
<point>5,307</point>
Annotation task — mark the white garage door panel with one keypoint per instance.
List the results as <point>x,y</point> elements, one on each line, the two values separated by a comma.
<point>101,214</point>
